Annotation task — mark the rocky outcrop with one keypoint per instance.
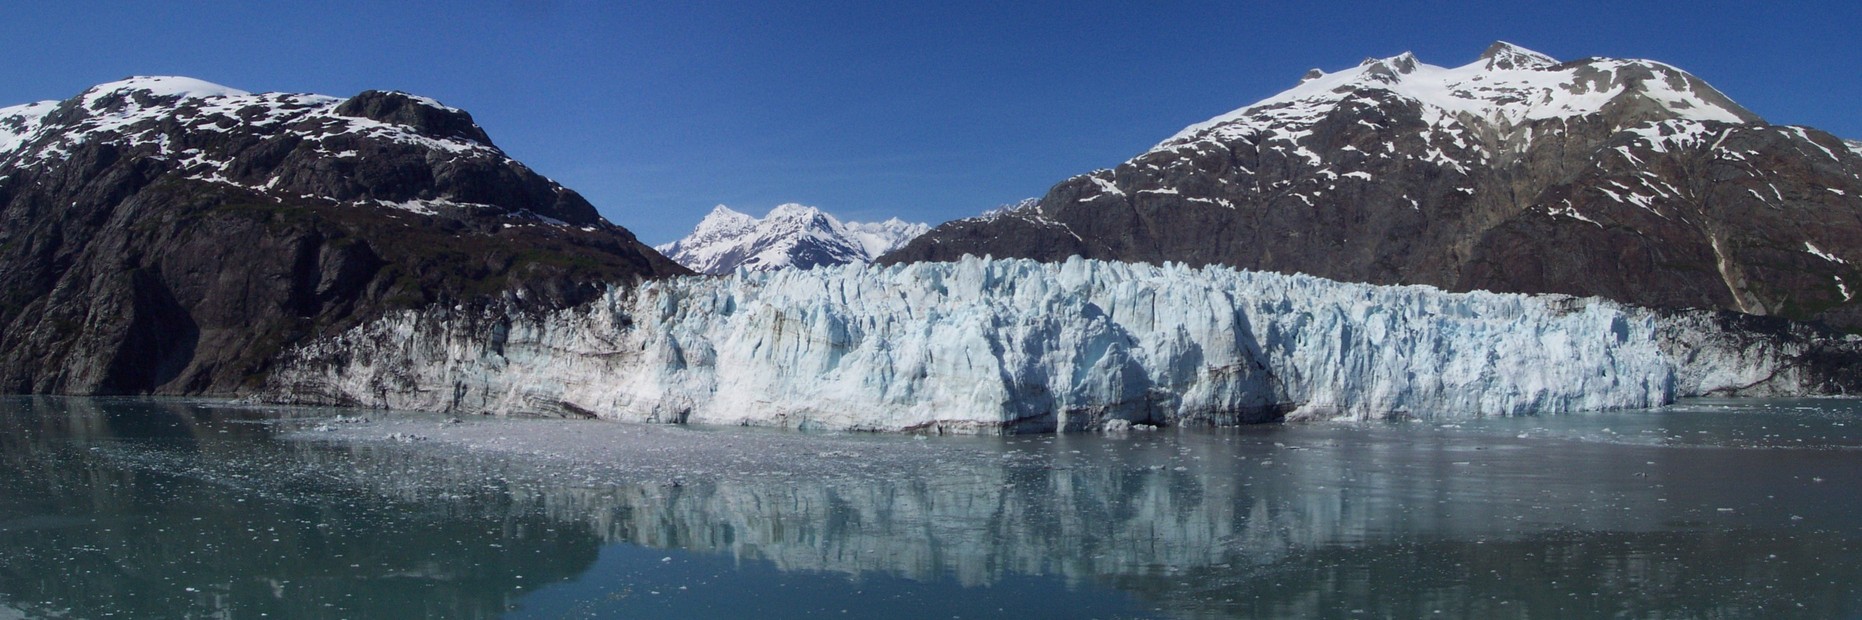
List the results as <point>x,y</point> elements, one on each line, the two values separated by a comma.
<point>1627,179</point>
<point>171,236</point>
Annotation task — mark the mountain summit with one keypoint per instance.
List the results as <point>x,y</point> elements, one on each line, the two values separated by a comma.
<point>792,235</point>
<point>1508,86</point>
<point>1505,56</point>
<point>1627,179</point>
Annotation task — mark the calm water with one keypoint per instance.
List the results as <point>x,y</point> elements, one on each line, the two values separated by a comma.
<point>163,508</point>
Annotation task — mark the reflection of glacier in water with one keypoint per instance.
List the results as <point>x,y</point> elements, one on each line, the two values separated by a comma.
<point>1561,516</point>
<point>1299,520</point>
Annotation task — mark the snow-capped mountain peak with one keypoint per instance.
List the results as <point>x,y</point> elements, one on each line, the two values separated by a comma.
<point>790,210</point>
<point>797,217</point>
<point>722,222</point>
<point>791,235</point>
<point>144,109</point>
<point>878,238</point>
<point>1508,85</point>
<point>157,87</point>
<point>1400,63</point>
<point>202,131</point>
<point>1507,56</point>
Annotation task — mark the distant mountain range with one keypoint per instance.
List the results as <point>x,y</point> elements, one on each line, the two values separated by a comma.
<point>791,235</point>
<point>1626,179</point>
<point>168,235</point>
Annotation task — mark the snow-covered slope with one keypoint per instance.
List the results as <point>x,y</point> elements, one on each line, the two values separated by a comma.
<point>792,235</point>
<point>878,238</point>
<point>1013,345</point>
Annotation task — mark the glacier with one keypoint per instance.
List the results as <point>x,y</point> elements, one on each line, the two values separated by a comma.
<point>1006,346</point>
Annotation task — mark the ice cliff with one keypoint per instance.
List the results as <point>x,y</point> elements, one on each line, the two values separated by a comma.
<point>988,346</point>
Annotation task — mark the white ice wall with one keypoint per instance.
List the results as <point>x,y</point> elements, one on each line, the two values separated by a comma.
<point>989,345</point>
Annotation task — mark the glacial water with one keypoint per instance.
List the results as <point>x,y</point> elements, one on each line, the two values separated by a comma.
<point>141,508</point>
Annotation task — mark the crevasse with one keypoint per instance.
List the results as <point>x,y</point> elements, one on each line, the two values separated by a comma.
<point>985,345</point>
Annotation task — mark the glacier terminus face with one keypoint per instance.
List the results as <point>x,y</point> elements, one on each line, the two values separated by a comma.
<point>996,346</point>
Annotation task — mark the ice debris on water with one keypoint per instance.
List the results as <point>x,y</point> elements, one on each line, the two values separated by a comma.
<point>1121,426</point>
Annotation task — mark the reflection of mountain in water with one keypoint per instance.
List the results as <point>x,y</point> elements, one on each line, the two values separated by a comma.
<point>1382,517</point>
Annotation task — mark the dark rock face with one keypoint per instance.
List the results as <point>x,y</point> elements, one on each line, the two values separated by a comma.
<point>1630,180</point>
<point>424,116</point>
<point>1761,224</point>
<point>160,236</point>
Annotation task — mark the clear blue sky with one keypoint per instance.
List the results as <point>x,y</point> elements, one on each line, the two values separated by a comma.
<point>929,111</point>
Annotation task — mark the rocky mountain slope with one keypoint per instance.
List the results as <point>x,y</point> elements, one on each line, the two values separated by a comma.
<point>168,235</point>
<point>1627,179</point>
<point>792,235</point>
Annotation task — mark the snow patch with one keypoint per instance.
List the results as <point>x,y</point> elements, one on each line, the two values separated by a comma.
<point>1804,136</point>
<point>1029,210</point>
<point>1566,209</point>
<point>435,205</point>
<point>1105,185</point>
<point>1808,247</point>
<point>1021,207</point>
<point>19,123</point>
